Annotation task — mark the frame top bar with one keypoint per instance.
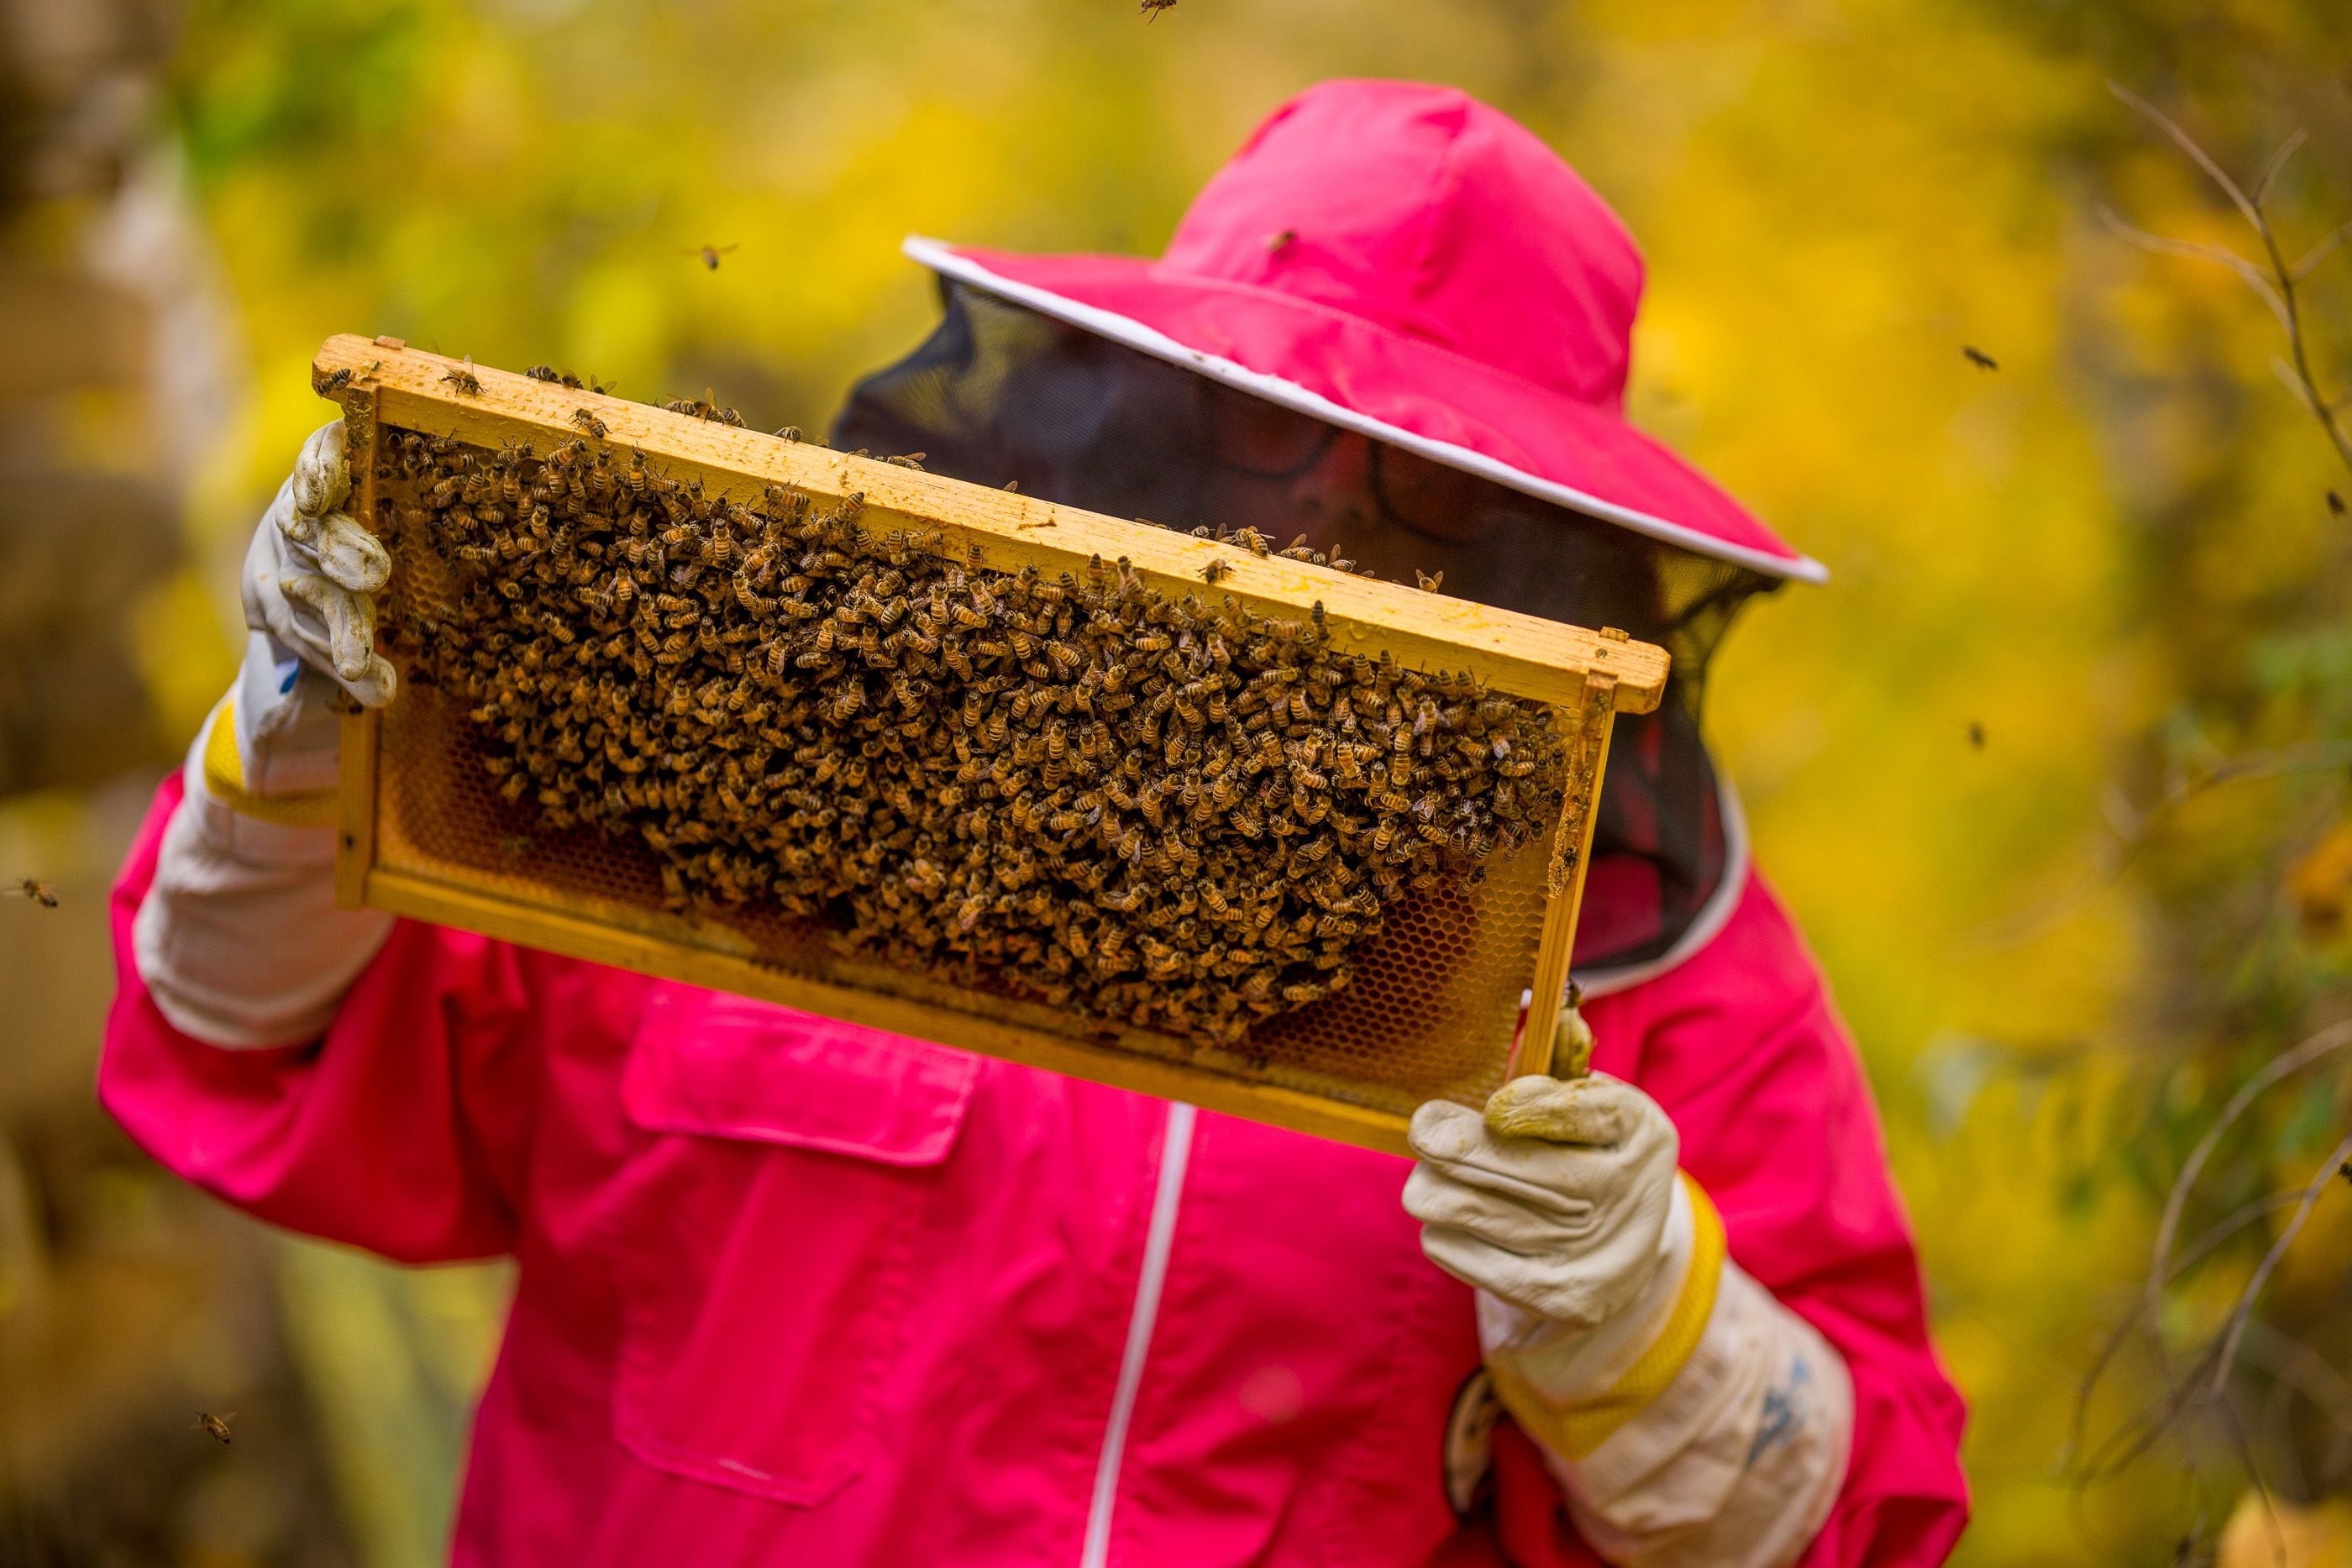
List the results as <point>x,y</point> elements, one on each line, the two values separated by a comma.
<point>1522,654</point>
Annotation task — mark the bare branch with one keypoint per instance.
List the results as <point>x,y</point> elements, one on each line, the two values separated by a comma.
<point>2253,1466</point>
<point>2277,163</point>
<point>2196,1251</point>
<point>2294,384</point>
<point>2254,1286</point>
<point>2196,250</point>
<point>2182,139</point>
<point>2332,1039</point>
<point>2132,827</point>
<point>2301,1368</point>
<point>2277,285</point>
<point>2311,756</point>
<point>2162,1268</point>
<point>2319,253</point>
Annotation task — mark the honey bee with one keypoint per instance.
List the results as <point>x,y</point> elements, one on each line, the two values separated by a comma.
<point>464,378</point>
<point>1061,777</point>
<point>1216,571</point>
<point>588,421</point>
<point>329,385</point>
<point>213,1426</point>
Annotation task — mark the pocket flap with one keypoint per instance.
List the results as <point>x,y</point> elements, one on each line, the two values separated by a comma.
<point>721,1066</point>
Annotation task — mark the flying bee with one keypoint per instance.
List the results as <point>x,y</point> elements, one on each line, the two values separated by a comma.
<point>213,1426</point>
<point>709,255</point>
<point>40,893</point>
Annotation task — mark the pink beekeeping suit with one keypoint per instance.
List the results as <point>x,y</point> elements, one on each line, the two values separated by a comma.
<point>795,1292</point>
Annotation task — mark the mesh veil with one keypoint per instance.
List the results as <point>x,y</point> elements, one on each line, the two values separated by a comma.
<point>1000,394</point>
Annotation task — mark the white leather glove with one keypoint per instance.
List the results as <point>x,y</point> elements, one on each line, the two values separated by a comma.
<point>312,570</point>
<point>1690,1417</point>
<point>239,939</point>
<point>1554,1200</point>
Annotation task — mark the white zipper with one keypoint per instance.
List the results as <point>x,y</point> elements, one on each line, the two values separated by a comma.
<point>1175,1152</point>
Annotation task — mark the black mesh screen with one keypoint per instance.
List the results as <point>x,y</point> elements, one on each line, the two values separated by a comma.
<point>1000,394</point>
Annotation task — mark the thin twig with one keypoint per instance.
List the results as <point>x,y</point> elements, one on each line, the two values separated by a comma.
<point>2196,1251</point>
<point>2310,757</point>
<point>2320,252</point>
<point>2301,1368</point>
<point>2188,145</point>
<point>2161,1271</point>
<point>2133,826</point>
<point>2277,163</point>
<point>2198,250</point>
<point>2334,1037</point>
<point>2276,289</point>
<point>2254,1466</point>
<point>2253,1289</point>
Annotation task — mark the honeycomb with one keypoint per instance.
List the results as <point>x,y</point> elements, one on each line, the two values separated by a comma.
<point>1378,967</point>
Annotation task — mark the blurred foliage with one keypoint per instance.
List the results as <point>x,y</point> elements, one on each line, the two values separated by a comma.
<point>1981,763</point>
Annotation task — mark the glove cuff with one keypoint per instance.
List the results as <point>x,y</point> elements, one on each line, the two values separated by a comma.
<point>1570,1389</point>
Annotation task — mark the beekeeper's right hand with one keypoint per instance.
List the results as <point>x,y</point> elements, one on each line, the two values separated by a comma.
<point>239,940</point>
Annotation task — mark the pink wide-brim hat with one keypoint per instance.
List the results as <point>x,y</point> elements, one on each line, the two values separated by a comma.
<point>1404,261</point>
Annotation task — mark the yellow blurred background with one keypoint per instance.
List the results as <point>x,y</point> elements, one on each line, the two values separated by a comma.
<point>1981,763</point>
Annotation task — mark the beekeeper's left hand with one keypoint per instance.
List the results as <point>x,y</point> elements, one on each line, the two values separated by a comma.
<point>1690,1417</point>
<point>1554,1200</point>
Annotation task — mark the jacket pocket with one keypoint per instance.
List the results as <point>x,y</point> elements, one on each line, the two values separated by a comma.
<point>763,1231</point>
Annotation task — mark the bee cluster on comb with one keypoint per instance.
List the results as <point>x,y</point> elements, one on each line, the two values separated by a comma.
<point>1146,807</point>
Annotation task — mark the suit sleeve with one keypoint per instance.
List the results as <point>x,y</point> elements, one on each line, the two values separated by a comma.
<point>405,1130</point>
<point>1743,1048</point>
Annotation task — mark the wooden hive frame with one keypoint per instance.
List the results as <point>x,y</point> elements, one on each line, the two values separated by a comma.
<point>1587,676</point>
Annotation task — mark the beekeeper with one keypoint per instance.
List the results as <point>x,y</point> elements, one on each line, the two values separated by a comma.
<point>793,1291</point>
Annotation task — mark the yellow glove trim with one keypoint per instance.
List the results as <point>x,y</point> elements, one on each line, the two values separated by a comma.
<point>225,777</point>
<point>1573,1431</point>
